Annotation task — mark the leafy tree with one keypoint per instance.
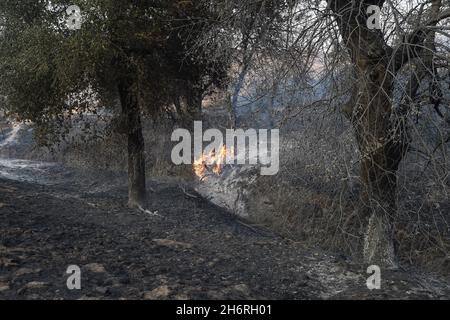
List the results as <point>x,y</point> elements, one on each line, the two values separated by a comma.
<point>137,51</point>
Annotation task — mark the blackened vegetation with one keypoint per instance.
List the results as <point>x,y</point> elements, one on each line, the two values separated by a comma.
<point>193,251</point>
<point>138,64</point>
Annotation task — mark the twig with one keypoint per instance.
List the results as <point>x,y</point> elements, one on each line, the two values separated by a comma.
<point>149,212</point>
<point>190,195</point>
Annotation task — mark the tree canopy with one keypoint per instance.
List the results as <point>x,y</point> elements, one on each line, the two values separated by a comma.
<point>48,70</point>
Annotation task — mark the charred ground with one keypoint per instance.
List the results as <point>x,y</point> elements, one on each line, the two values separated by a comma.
<point>194,250</point>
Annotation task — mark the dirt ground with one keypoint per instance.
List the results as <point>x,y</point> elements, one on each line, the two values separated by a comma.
<point>53,217</point>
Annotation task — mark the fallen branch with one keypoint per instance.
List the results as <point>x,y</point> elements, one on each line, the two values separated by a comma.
<point>186,193</point>
<point>149,212</point>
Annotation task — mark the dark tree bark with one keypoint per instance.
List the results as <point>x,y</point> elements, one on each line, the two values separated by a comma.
<point>194,102</point>
<point>381,130</point>
<point>136,149</point>
<point>188,104</point>
<point>382,148</point>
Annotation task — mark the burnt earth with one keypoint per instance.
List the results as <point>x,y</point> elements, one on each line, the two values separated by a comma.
<point>194,250</point>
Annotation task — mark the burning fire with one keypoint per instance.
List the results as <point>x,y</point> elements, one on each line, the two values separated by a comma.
<point>212,161</point>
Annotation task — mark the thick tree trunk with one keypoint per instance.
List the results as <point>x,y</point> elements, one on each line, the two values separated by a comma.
<point>380,159</point>
<point>379,202</point>
<point>188,104</point>
<point>237,90</point>
<point>136,148</point>
<point>194,102</point>
<point>380,140</point>
<point>379,167</point>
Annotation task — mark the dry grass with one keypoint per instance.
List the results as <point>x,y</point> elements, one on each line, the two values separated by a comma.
<point>315,197</point>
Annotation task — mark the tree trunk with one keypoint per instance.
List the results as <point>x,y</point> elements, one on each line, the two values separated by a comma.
<point>237,90</point>
<point>381,156</point>
<point>379,168</point>
<point>188,104</point>
<point>194,102</point>
<point>136,150</point>
<point>380,140</point>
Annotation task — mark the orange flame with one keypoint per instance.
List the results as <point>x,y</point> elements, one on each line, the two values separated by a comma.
<point>213,161</point>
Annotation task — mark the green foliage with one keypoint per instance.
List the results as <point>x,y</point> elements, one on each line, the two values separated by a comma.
<point>48,72</point>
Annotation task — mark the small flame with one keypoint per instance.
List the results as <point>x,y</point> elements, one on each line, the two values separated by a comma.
<point>212,160</point>
<point>199,167</point>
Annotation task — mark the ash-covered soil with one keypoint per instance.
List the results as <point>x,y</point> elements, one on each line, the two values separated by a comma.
<point>52,217</point>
